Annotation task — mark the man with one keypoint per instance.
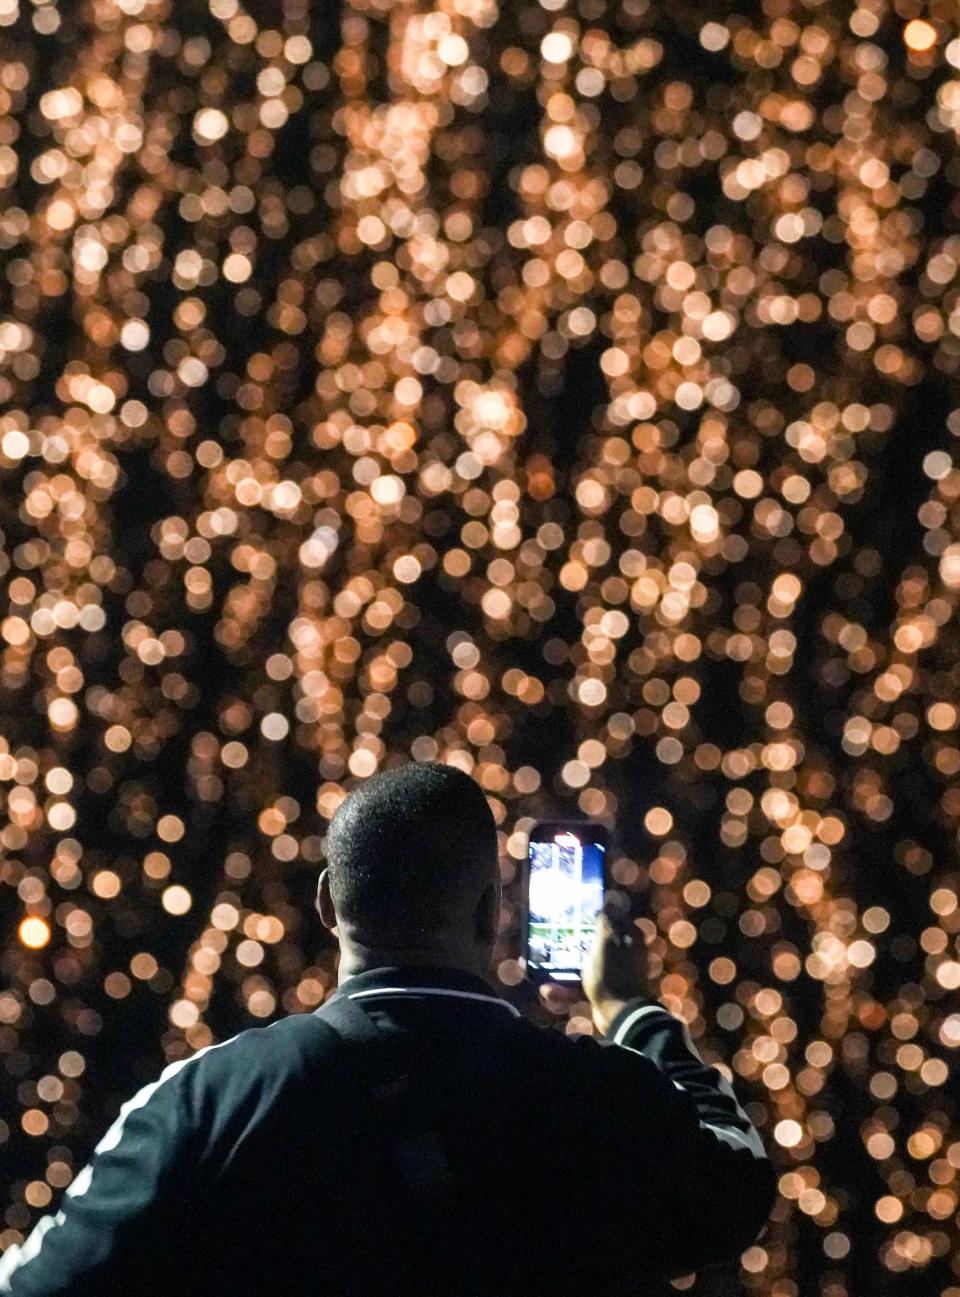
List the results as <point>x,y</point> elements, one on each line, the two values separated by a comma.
<point>416,1134</point>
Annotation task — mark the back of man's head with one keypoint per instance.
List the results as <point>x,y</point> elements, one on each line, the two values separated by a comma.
<point>411,851</point>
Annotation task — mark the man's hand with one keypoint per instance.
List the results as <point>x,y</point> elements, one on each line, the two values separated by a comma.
<point>615,970</point>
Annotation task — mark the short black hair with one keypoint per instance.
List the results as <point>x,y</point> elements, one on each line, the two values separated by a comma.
<point>411,850</point>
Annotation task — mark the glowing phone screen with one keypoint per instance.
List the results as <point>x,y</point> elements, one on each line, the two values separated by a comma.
<point>566,891</point>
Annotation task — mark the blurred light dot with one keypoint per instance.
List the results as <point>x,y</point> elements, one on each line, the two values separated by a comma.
<point>658,821</point>
<point>15,444</point>
<point>106,884</point>
<point>888,1209</point>
<point>920,35</point>
<point>556,47</point>
<point>176,899</point>
<point>714,36</point>
<point>788,1133</point>
<point>275,726</point>
<point>135,335</point>
<point>210,124</point>
<point>34,932</point>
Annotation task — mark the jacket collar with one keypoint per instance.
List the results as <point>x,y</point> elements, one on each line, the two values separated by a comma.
<point>427,978</point>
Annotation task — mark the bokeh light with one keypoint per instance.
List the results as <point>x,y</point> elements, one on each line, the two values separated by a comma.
<point>565,390</point>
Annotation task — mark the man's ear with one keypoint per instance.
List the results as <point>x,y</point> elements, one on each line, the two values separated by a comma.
<point>328,916</point>
<point>487,916</point>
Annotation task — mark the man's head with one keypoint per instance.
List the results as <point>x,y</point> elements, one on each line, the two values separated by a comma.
<point>412,873</point>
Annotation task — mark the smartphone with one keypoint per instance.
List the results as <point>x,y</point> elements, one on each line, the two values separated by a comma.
<point>566,879</point>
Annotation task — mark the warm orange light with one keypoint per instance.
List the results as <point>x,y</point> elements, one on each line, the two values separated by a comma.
<point>554,444</point>
<point>920,35</point>
<point>34,932</point>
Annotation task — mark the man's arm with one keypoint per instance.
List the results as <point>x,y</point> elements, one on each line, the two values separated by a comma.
<point>702,1171</point>
<point>112,1233</point>
<point>719,1184</point>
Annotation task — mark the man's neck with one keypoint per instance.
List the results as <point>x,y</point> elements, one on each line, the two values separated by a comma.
<point>356,959</point>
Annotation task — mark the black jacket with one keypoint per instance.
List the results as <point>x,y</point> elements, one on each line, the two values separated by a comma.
<point>256,1166</point>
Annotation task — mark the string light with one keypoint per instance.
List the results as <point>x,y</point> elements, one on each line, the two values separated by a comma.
<point>562,391</point>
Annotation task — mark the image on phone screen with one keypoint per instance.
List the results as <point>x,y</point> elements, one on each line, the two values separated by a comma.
<point>566,879</point>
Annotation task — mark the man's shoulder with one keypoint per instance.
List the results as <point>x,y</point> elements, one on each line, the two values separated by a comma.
<point>296,1046</point>
<point>251,1058</point>
<point>572,1055</point>
<point>237,1083</point>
